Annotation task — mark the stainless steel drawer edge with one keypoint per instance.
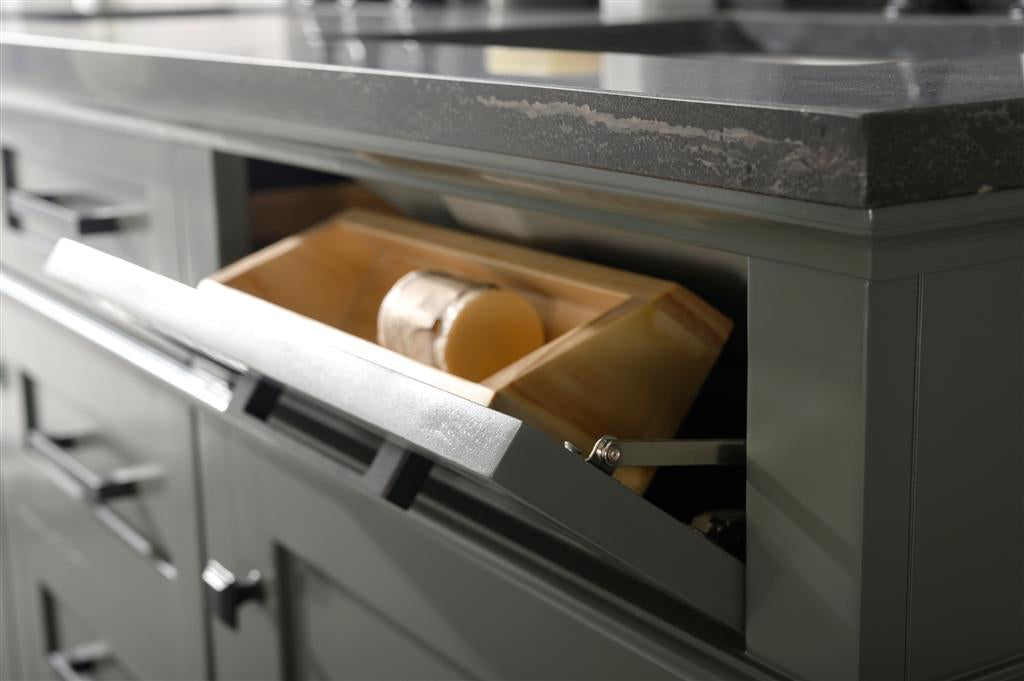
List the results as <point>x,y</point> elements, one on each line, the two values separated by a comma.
<point>203,388</point>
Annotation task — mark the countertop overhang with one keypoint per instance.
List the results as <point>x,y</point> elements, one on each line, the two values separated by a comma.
<point>862,134</point>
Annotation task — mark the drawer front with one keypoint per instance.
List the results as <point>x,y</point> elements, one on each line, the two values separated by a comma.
<point>345,375</point>
<point>140,613</point>
<point>105,469</point>
<point>77,647</point>
<point>146,201</point>
<point>356,588</point>
<point>59,608</point>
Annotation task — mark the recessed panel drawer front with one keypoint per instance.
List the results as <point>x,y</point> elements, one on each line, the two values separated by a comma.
<point>356,588</point>
<point>57,605</point>
<point>114,419</point>
<point>140,199</point>
<point>148,619</point>
<point>60,603</point>
<point>98,187</point>
<point>110,475</point>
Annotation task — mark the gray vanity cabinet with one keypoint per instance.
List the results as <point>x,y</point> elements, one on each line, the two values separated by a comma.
<point>355,587</point>
<point>883,362</point>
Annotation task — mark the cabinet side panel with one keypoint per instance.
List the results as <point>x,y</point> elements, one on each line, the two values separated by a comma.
<point>830,417</point>
<point>805,445</point>
<point>967,571</point>
<point>892,327</point>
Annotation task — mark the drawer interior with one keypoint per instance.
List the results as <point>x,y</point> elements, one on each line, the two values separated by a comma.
<point>340,273</point>
<point>319,275</point>
<point>625,354</point>
<point>284,199</point>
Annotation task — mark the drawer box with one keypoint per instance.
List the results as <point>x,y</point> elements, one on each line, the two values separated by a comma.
<point>626,354</point>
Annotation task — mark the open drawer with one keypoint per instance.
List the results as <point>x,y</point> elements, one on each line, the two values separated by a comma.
<point>442,420</point>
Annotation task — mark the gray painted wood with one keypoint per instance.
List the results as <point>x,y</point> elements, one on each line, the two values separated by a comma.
<point>10,648</point>
<point>9,668</point>
<point>211,195</point>
<point>359,588</point>
<point>152,621</point>
<point>73,629</point>
<point>967,541</point>
<point>890,359</point>
<point>99,164</point>
<point>48,563</point>
<point>830,398</point>
<point>178,234</point>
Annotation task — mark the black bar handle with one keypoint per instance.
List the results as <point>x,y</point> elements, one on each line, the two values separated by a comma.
<point>63,218</point>
<point>67,665</point>
<point>97,490</point>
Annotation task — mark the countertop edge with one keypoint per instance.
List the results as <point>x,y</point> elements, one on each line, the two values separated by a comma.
<point>818,157</point>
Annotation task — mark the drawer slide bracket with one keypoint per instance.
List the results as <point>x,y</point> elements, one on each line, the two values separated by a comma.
<point>609,453</point>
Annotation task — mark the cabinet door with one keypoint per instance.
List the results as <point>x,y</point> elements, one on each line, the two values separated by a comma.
<point>355,587</point>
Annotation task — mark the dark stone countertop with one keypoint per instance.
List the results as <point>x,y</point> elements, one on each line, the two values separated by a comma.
<point>851,110</point>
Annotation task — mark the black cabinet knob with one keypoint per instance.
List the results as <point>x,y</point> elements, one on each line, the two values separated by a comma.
<point>225,592</point>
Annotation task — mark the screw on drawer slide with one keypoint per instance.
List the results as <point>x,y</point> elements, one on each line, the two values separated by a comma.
<point>609,453</point>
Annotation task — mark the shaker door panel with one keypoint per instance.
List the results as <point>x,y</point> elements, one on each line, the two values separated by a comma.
<point>357,588</point>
